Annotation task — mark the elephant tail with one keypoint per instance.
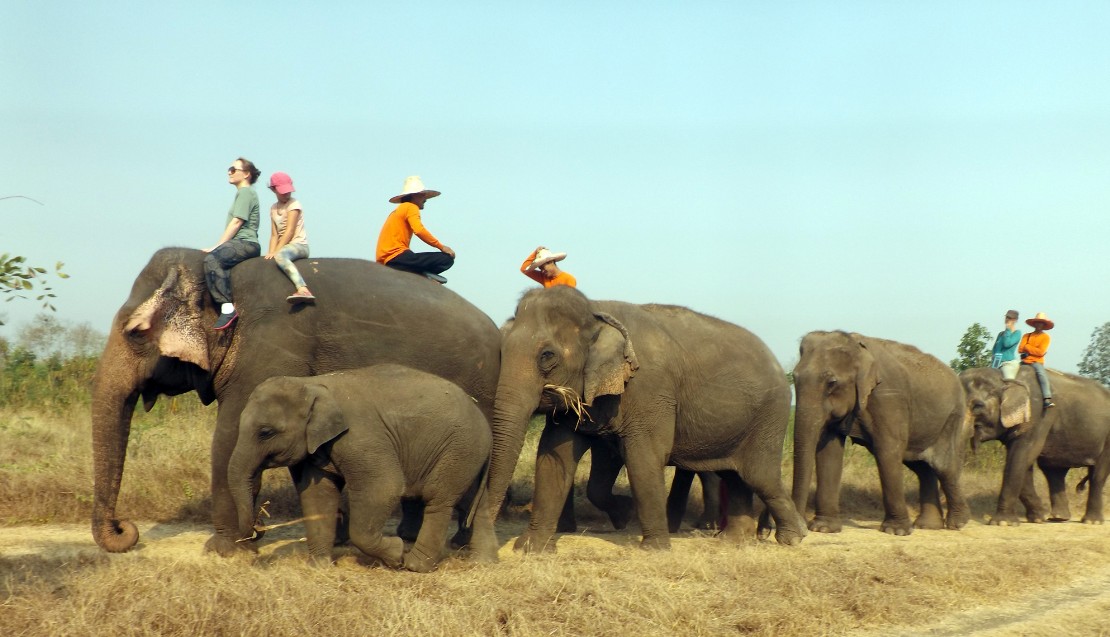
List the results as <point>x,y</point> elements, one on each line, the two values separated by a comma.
<point>483,487</point>
<point>1082,486</point>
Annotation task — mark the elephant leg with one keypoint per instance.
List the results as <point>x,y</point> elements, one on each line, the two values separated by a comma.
<point>931,516</point>
<point>888,456</point>
<point>677,498</point>
<point>412,515</point>
<point>483,543</point>
<point>711,512</point>
<point>372,501</point>
<point>1020,456</point>
<point>1057,494</point>
<point>959,511</point>
<point>320,494</point>
<point>225,518</point>
<point>740,522</point>
<point>649,490</point>
<point>830,468</point>
<point>428,550</point>
<point>605,466</point>
<point>557,458</point>
<point>464,533</point>
<point>1096,486</point>
<point>1034,506</point>
<point>766,482</point>
<point>568,522</point>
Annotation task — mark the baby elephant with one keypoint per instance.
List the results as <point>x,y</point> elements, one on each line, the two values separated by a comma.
<point>384,432</point>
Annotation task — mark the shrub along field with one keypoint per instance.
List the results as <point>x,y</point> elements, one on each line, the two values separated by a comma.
<point>1034,579</point>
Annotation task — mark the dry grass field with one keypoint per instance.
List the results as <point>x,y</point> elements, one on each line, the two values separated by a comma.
<point>1046,579</point>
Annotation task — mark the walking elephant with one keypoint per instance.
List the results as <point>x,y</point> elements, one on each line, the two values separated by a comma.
<point>161,342</point>
<point>663,384</point>
<point>1075,433</point>
<point>381,432</point>
<point>904,406</point>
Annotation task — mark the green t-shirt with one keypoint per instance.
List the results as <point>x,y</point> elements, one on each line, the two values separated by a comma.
<point>245,207</point>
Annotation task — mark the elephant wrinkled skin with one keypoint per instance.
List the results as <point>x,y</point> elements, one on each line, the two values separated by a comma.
<point>663,384</point>
<point>380,433</point>
<point>161,342</point>
<point>1075,433</point>
<point>904,406</point>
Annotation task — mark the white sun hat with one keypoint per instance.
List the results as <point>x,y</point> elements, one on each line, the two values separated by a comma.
<point>547,256</point>
<point>413,186</point>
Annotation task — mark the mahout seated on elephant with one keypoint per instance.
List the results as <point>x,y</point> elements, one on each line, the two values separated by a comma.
<point>380,433</point>
<point>663,384</point>
<point>161,342</point>
<point>904,406</point>
<point>1074,434</point>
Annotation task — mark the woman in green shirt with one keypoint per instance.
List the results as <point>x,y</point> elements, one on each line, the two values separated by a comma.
<point>239,241</point>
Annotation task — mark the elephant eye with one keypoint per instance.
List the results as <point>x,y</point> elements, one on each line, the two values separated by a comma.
<point>548,359</point>
<point>830,385</point>
<point>265,433</point>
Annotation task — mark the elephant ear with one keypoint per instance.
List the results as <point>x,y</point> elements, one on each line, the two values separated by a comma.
<point>325,421</point>
<point>1014,406</point>
<point>172,318</point>
<point>867,377</point>
<point>611,361</point>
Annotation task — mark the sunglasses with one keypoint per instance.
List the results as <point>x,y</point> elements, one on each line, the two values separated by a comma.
<point>231,169</point>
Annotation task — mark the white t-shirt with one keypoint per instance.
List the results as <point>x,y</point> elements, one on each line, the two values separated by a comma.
<point>279,213</point>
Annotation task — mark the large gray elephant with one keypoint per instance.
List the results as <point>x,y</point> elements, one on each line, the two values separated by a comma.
<point>664,384</point>
<point>380,432</point>
<point>1074,433</point>
<point>904,406</point>
<point>161,342</point>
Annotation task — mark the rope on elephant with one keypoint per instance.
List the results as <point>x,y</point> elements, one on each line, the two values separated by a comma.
<point>571,400</point>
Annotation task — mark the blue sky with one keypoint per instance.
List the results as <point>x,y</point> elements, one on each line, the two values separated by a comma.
<point>897,169</point>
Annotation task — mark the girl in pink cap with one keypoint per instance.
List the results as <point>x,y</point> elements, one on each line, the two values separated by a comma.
<point>288,241</point>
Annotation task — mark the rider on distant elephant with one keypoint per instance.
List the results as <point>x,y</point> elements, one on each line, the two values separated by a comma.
<point>402,223</point>
<point>540,267</point>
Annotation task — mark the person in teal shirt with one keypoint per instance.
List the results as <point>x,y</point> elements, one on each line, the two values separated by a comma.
<point>1004,355</point>
<point>238,243</point>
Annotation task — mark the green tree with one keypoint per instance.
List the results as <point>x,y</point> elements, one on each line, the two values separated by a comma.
<point>973,350</point>
<point>1096,360</point>
<point>17,278</point>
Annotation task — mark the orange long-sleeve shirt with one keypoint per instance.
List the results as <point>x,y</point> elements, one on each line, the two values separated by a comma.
<point>563,278</point>
<point>1035,345</point>
<point>398,229</point>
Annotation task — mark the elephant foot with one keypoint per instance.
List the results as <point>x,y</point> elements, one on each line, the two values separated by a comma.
<point>1092,518</point>
<point>226,547</point>
<point>957,520</point>
<point>1004,519</point>
<point>1059,515</point>
<point>1036,517</point>
<point>462,537</point>
<point>825,524</point>
<point>417,562</point>
<point>896,526</point>
<point>528,543</point>
<point>320,561</point>
<point>392,552</point>
<point>621,512</point>
<point>656,543</point>
<point>484,556</point>
<point>789,537</point>
<point>930,522</point>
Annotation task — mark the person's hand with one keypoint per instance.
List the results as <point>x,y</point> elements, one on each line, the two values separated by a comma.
<point>269,256</point>
<point>538,248</point>
<point>207,250</point>
<point>448,251</point>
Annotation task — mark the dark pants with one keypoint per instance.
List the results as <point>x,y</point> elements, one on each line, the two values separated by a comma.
<point>218,264</point>
<point>421,262</point>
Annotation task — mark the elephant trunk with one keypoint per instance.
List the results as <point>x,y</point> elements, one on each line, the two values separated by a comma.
<point>512,411</point>
<point>808,421</point>
<point>241,473</point>
<point>113,404</point>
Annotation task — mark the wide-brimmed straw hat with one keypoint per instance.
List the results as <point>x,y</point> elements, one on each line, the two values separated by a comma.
<point>1042,319</point>
<point>545,256</point>
<point>413,186</point>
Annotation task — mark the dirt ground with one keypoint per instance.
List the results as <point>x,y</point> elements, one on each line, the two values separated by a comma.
<point>1072,608</point>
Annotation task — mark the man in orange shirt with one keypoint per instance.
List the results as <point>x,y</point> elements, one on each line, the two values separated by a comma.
<point>1033,347</point>
<point>402,223</point>
<point>540,267</point>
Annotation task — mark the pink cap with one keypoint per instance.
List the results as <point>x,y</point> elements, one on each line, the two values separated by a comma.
<point>281,183</point>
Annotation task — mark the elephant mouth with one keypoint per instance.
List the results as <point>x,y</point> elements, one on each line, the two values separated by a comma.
<point>563,398</point>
